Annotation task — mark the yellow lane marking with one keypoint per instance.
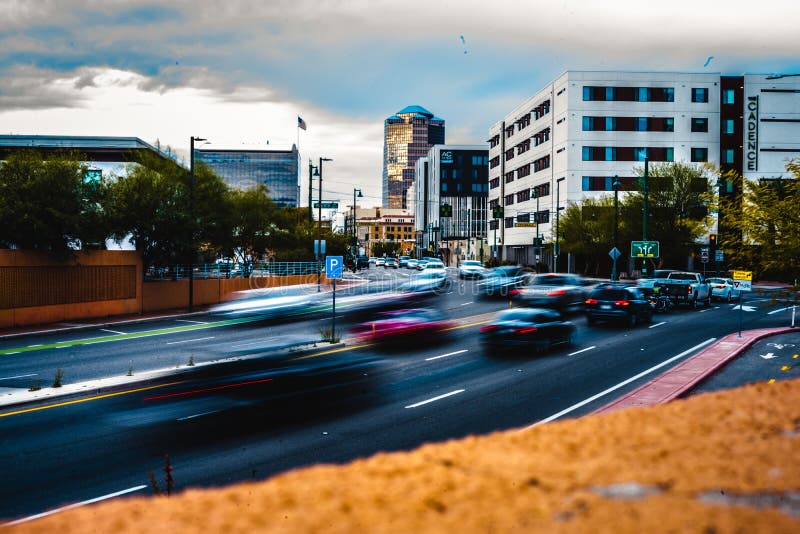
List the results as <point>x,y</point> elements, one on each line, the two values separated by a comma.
<point>98,397</point>
<point>465,325</point>
<point>333,351</point>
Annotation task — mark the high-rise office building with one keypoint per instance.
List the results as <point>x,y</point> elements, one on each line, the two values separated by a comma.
<point>571,139</point>
<point>245,168</point>
<point>408,135</point>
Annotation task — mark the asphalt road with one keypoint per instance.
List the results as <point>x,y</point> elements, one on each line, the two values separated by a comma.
<point>239,422</point>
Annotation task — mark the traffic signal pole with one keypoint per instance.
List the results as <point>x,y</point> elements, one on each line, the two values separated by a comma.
<point>646,191</point>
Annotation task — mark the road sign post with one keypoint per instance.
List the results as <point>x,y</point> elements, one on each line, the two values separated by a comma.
<point>334,265</point>
<point>742,280</point>
<point>615,254</point>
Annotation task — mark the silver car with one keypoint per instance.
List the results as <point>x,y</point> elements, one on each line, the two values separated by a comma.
<point>471,269</point>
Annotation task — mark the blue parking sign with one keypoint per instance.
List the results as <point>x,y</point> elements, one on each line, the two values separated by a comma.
<point>333,267</point>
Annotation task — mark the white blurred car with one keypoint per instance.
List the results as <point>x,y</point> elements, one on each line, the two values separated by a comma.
<point>380,262</point>
<point>471,269</point>
<point>723,289</point>
<point>432,264</point>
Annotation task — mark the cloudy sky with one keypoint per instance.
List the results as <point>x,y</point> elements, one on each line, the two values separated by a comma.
<point>239,72</point>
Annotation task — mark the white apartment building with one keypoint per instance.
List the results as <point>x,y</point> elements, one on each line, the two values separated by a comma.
<point>568,141</point>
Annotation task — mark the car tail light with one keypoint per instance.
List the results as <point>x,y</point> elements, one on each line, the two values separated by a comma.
<point>558,293</point>
<point>689,290</point>
<point>527,330</point>
<point>621,303</point>
<point>514,292</point>
<point>488,328</point>
<point>591,301</point>
<point>720,287</point>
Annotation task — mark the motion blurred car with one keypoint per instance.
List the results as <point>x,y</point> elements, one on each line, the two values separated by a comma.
<point>380,262</point>
<point>724,289</point>
<point>616,302</point>
<point>526,328</point>
<point>432,264</point>
<point>412,263</point>
<point>403,261</point>
<point>426,283</point>
<point>562,292</point>
<point>362,262</point>
<point>390,262</point>
<point>471,269</point>
<point>501,280</point>
<point>401,326</point>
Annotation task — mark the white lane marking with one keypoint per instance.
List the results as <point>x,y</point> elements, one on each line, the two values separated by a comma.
<point>190,340</point>
<point>196,415</point>
<point>622,384</point>
<point>657,324</point>
<point>778,311</point>
<point>18,376</point>
<point>456,392</point>
<point>9,353</point>
<point>446,355</point>
<point>75,505</point>
<point>38,345</point>
<point>113,331</point>
<point>705,310</point>
<point>188,321</point>
<point>465,303</point>
<point>582,350</point>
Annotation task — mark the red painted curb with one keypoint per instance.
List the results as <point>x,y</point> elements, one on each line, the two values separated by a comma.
<point>687,374</point>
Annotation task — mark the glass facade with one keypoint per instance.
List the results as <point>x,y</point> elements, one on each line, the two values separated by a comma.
<point>408,135</point>
<point>244,169</point>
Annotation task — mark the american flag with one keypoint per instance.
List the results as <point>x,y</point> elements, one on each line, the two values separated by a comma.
<point>301,123</point>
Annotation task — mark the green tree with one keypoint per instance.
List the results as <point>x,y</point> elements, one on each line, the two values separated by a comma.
<point>678,206</point>
<point>586,230</point>
<point>762,227</point>
<point>42,201</point>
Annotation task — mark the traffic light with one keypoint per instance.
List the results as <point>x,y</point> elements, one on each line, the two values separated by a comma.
<point>445,210</point>
<point>537,245</point>
<point>712,240</point>
<point>497,212</point>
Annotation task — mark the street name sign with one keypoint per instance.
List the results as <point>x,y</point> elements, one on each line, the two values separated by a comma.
<point>645,249</point>
<point>327,205</point>
<point>742,275</point>
<point>525,225</point>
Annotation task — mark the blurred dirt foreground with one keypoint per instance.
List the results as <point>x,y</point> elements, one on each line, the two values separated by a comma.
<point>714,463</point>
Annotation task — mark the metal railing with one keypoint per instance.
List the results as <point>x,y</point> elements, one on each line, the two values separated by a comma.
<point>227,270</point>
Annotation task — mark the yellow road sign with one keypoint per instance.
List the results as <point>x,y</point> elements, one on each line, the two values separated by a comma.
<point>524,224</point>
<point>742,275</point>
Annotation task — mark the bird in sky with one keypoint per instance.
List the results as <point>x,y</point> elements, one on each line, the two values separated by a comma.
<point>708,61</point>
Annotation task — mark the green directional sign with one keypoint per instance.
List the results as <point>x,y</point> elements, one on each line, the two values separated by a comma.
<point>327,205</point>
<point>645,249</point>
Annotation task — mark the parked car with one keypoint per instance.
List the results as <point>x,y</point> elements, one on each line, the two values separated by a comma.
<point>617,302</point>
<point>501,280</point>
<point>402,326</point>
<point>390,262</point>
<point>526,328</point>
<point>471,269</point>
<point>563,292</point>
<point>724,289</point>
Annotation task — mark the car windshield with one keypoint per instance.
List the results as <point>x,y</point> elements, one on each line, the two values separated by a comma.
<point>716,280</point>
<point>504,271</point>
<point>470,263</point>
<point>529,315</point>
<point>682,276</point>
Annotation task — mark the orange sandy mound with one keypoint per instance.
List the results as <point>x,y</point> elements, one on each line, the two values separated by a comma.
<point>708,464</point>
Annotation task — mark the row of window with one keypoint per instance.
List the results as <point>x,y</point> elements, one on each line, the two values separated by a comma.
<point>539,217</point>
<point>628,94</point>
<point>541,137</point>
<point>628,124</point>
<point>541,163</point>
<point>458,187</point>
<point>627,153</point>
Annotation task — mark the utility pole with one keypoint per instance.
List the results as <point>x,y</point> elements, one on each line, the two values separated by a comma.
<point>616,185</point>
<point>558,209</point>
<point>319,225</point>
<point>310,188</point>
<point>192,139</point>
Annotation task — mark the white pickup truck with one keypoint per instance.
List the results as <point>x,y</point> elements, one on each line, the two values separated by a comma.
<point>686,288</point>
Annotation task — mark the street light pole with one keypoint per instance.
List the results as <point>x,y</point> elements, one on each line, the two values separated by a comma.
<point>645,191</point>
<point>558,208</point>
<point>536,249</point>
<point>319,225</point>
<point>616,185</point>
<point>355,215</point>
<point>310,190</point>
<point>192,139</point>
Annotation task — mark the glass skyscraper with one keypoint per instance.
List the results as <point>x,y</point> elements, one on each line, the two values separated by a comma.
<point>244,169</point>
<point>408,135</point>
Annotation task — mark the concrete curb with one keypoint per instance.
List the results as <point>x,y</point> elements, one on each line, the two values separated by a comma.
<point>111,385</point>
<point>686,375</point>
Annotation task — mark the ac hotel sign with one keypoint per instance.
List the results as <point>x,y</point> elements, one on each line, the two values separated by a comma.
<point>751,154</point>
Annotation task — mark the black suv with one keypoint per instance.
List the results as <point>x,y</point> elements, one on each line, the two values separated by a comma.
<point>362,262</point>
<point>620,303</point>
